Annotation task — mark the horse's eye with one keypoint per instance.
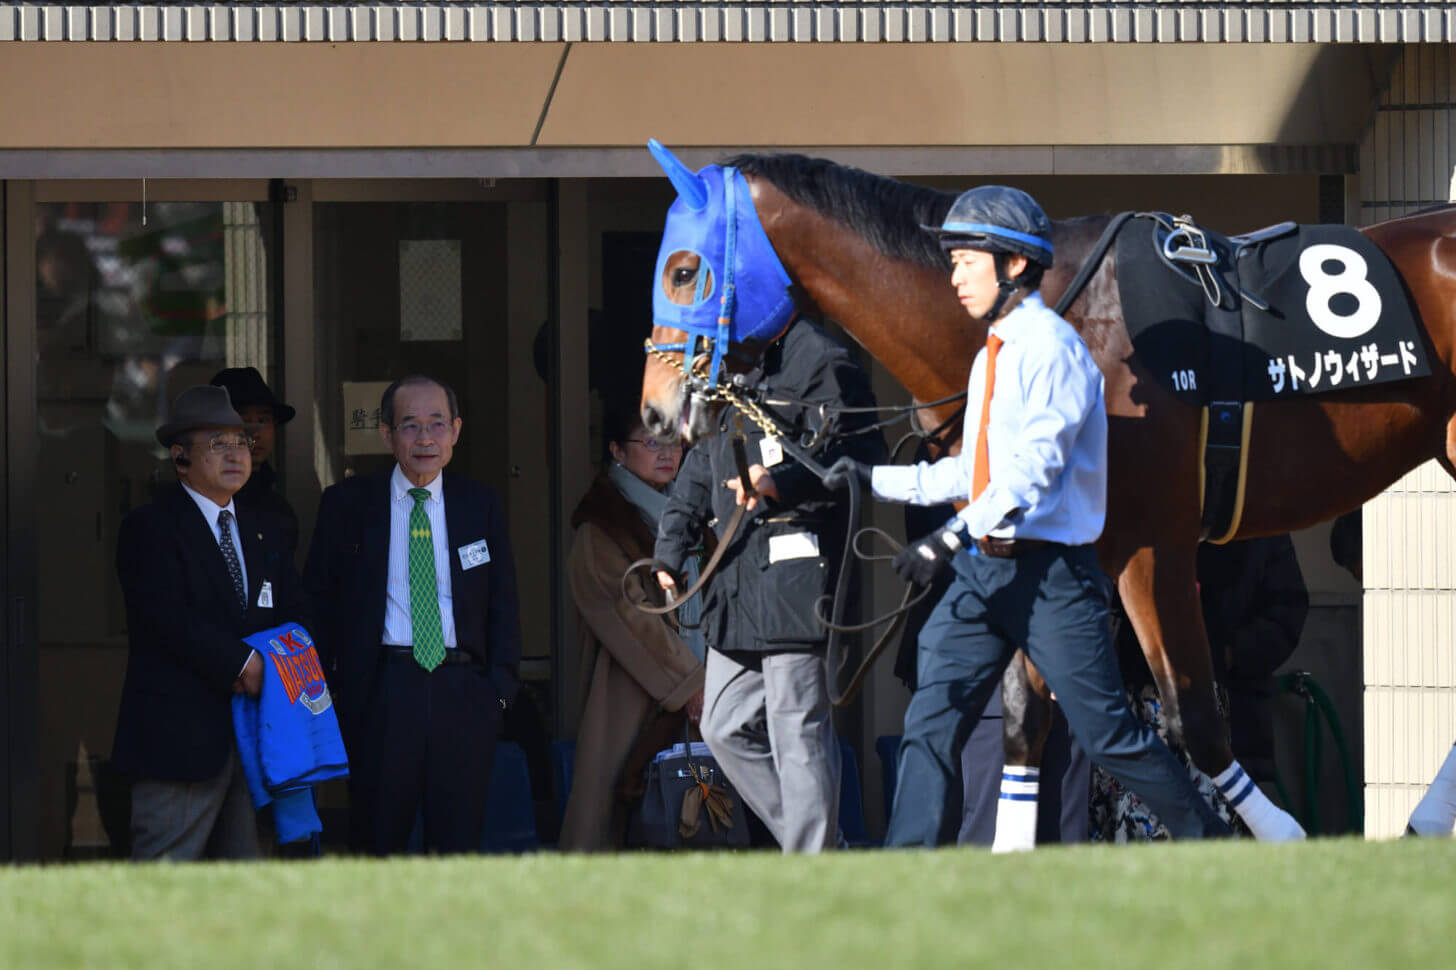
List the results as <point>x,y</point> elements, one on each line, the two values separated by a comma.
<point>683,275</point>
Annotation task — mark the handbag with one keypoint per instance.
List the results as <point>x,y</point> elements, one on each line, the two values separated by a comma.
<point>688,803</point>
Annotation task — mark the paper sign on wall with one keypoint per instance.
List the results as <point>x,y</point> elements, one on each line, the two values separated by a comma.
<point>361,418</point>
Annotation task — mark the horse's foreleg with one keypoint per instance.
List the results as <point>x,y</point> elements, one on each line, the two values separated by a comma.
<point>1159,590</point>
<point>1026,724</point>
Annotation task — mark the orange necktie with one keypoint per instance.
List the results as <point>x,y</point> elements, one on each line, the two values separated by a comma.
<point>981,477</point>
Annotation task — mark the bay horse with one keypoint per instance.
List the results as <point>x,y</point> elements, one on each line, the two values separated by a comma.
<point>852,245</point>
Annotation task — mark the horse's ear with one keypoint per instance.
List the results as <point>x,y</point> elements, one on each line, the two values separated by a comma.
<point>694,190</point>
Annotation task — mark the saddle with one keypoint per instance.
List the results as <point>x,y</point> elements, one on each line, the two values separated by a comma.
<point>1227,322</point>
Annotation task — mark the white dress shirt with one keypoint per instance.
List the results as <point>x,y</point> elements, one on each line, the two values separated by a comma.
<point>211,511</point>
<point>1046,440</point>
<point>398,630</point>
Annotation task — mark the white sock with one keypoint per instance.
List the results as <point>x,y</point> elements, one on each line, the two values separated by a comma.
<point>1436,813</point>
<point>1267,821</point>
<point>1016,811</point>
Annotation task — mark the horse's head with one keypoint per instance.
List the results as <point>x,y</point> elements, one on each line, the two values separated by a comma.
<point>719,296</point>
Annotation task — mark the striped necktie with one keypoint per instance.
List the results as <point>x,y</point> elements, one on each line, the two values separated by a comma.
<point>982,475</point>
<point>427,633</point>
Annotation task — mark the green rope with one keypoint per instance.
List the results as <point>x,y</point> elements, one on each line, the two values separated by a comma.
<point>1317,704</point>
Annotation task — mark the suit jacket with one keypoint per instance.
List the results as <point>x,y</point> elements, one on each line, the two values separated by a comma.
<point>186,632</point>
<point>348,569</point>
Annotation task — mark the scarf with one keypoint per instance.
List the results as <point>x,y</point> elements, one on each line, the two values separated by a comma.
<point>650,505</point>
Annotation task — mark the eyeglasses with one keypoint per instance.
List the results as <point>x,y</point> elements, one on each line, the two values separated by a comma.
<point>220,445</point>
<point>653,444</point>
<point>412,429</point>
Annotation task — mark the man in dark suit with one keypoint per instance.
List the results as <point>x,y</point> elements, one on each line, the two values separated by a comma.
<point>412,575</point>
<point>199,574</point>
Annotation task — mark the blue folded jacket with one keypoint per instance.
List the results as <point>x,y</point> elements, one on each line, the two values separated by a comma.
<point>288,736</point>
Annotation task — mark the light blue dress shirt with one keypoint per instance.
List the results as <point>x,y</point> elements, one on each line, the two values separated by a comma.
<point>1047,439</point>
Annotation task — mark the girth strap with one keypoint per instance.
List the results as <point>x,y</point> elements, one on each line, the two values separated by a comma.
<point>1223,478</point>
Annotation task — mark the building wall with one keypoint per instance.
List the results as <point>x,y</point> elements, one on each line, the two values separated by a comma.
<point>1410,584</point>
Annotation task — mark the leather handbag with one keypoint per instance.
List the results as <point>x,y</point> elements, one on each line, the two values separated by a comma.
<point>687,803</point>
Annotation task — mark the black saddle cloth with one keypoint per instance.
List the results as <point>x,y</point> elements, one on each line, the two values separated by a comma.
<point>1337,314</point>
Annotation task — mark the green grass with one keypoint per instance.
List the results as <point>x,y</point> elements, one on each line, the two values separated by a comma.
<point>1324,904</point>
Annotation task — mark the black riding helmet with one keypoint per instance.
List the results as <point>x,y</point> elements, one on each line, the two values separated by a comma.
<point>998,219</point>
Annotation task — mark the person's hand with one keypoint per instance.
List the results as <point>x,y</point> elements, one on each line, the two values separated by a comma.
<point>665,580</point>
<point>250,681</point>
<point>763,485</point>
<point>921,562</point>
<point>844,469</point>
<point>694,707</point>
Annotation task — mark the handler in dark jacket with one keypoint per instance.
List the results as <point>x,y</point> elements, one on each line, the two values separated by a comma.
<point>766,709</point>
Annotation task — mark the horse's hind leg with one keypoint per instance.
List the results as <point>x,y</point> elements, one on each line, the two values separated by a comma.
<point>1026,724</point>
<point>1159,590</point>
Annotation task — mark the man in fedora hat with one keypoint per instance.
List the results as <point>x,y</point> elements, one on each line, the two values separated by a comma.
<point>199,573</point>
<point>255,401</point>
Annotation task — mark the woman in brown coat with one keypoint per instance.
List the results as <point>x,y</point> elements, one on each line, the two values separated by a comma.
<point>639,668</point>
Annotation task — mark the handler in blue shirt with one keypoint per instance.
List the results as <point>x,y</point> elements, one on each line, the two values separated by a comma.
<point>1026,572</point>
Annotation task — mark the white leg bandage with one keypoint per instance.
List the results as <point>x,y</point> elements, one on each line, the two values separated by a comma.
<point>1016,811</point>
<point>1267,821</point>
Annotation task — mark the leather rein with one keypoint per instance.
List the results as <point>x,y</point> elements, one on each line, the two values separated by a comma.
<point>733,392</point>
<point>837,656</point>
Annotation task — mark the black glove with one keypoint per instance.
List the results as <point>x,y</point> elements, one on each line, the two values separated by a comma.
<point>921,562</point>
<point>843,470</point>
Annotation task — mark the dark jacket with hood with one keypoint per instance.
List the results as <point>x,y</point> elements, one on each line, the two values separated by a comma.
<point>761,598</point>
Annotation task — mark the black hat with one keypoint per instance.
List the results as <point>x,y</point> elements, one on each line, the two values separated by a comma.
<point>202,406</point>
<point>247,388</point>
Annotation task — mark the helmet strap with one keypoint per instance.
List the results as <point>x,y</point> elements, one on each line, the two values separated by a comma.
<point>1005,288</point>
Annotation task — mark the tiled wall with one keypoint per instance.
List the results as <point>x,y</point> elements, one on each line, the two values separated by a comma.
<point>1410,530</point>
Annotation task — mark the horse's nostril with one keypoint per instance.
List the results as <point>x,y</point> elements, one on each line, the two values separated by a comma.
<point>652,419</point>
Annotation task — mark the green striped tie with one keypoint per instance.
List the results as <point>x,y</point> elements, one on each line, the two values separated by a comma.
<point>429,638</point>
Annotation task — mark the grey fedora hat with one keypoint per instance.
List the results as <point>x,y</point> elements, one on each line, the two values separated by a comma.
<point>203,406</point>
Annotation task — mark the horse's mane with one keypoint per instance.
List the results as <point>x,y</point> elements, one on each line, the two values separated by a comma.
<point>886,212</point>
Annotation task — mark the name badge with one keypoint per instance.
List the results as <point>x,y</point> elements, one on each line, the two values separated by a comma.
<point>265,595</point>
<point>795,545</point>
<point>475,554</point>
<point>771,450</point>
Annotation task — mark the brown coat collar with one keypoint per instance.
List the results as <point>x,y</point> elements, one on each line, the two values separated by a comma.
<point>604,507</point>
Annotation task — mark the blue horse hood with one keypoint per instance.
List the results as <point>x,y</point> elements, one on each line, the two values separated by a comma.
<point>760,306</point>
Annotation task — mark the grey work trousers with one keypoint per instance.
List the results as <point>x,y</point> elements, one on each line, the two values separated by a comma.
<point>212,819</point>
<point>769,727</point>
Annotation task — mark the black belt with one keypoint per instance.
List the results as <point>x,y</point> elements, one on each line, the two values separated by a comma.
<point>1010,548</point>
<point>457,656</point>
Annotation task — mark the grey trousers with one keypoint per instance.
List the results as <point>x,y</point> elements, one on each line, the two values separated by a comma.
<point>211,819</point>
<point>771,732</point>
